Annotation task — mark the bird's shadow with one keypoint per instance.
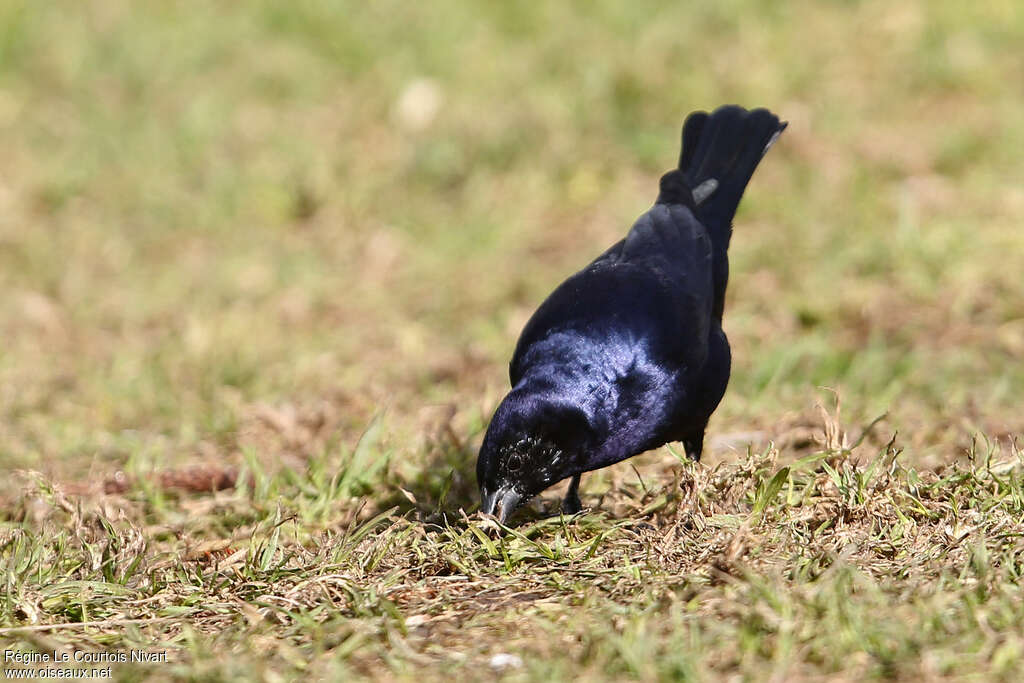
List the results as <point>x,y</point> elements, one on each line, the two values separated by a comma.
<point>444,488</point>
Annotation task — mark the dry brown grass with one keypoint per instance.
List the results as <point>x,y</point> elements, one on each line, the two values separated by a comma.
<point>263,269</point>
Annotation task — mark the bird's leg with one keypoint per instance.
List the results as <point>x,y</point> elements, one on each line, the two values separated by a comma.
<point>694,445</point>
<point>571,505</point>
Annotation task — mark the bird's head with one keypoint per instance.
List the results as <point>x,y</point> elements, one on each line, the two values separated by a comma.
<point>530,445</point>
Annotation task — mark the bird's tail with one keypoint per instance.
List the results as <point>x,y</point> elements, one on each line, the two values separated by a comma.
<point>719,154</point>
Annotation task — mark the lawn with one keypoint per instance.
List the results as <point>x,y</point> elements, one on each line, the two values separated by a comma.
<point>263,266</point>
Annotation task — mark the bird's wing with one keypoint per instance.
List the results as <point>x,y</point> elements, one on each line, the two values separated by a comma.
<point>654,288</point>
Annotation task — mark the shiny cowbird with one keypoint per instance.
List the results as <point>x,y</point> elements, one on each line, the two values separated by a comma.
<point>629,354</point>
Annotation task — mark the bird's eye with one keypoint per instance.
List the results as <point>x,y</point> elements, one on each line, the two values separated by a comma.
<point>515,462</point>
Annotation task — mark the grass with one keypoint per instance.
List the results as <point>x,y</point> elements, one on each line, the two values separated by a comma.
<point>264,268</point>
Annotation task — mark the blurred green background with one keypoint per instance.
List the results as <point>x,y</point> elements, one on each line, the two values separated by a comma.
<point>229,226</point>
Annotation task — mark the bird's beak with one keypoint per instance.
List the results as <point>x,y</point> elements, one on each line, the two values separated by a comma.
<point>500,503</point>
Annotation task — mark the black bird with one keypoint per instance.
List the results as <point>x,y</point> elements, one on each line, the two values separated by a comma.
<point>629,354</point>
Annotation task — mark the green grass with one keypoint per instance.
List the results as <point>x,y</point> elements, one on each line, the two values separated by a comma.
<point>285,252</point>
